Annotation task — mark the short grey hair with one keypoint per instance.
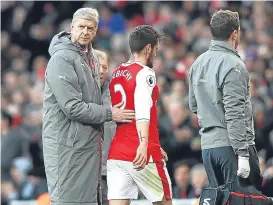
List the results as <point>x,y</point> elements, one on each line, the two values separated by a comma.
<point>101,54</point>
<point>86,13</point>
<point>199,169</point>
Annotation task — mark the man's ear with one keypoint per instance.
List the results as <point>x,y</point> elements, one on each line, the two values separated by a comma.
<point>235,34</point>
<point>148,48</point>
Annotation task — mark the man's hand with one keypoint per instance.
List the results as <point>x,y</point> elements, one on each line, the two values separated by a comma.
<point>164,154</point>
<point>141,157</point>
<point>120,115</point>
<point>243,167</point>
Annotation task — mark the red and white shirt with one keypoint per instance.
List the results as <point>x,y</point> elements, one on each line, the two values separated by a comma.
<point>135,85</point>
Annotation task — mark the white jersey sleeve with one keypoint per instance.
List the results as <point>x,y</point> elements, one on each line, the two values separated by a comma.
<point>145,83</point>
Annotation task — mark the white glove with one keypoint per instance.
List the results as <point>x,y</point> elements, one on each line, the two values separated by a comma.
<point>243,167</point>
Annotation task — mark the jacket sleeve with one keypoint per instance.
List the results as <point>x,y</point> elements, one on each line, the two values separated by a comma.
<point>234,99</point>
<point>192,100</point>
<point>63,81</point>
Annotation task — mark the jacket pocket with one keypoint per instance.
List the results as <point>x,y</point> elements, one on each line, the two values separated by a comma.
<point>86,137</point>
<point>67,131</point>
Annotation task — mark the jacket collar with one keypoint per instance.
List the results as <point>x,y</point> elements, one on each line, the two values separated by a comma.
<point>216,45</point>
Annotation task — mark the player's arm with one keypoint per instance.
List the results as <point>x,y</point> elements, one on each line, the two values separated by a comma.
<point>145,82</point>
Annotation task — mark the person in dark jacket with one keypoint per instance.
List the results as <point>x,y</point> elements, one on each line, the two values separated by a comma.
<point>183,187</point>
<point>73,114</point>
<point>109,127</point>
<point>219,95</point>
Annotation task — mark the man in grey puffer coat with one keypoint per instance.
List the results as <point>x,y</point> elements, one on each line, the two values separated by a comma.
<point>74,114</point>
<point>219,95</point>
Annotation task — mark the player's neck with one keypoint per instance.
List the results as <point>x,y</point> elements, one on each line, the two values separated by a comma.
<point>137,58</point>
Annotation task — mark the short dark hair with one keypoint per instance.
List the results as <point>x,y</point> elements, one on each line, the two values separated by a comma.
<point>223,23</point>
<point>143,35</point>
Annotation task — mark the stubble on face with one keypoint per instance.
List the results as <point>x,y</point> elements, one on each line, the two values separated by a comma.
<point>152,55</point>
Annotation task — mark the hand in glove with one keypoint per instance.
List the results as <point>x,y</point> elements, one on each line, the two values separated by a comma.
<point>243,167</point>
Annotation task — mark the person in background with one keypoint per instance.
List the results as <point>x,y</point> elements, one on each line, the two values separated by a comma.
<point>183,187</point>
<point>198,179</point>
<point>13,147</point>
<point>109,127</point>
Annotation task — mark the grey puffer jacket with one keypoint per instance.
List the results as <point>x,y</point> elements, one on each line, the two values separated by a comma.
<point>73,117</point>
<point>219,95</point>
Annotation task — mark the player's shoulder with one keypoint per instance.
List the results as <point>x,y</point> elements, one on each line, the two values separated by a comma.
<point>149,70</point>
<point>145,70</point>
<point>137,68</point>
<point>147,74</point>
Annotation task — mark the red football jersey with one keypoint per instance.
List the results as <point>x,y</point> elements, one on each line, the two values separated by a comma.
<point>135,85</point>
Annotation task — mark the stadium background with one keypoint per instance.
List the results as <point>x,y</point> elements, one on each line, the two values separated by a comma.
<point>27,28</point>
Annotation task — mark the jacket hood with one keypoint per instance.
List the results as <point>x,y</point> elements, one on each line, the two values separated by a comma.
<point>62,41</point>
<point>222,46</point>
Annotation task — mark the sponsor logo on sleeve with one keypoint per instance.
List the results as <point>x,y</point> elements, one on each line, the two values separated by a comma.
<point>151,80</point>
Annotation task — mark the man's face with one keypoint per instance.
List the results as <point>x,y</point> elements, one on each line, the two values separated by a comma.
<point>83,31</point>
<point>152,55</point>
<point>198,180</point>
<point>103,69</point>
<point>182,176</point>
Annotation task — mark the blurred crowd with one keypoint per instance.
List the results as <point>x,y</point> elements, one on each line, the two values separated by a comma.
<point>28,27</point>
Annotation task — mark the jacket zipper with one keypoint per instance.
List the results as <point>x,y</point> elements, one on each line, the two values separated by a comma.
<point>98,90</point>
<point>93,75</point>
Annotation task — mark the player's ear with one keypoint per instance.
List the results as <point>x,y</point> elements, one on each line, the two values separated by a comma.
<point>149,48</point>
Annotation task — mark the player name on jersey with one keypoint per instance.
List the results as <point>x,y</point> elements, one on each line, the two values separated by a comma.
<point>122,73</point>
<point>135,85</point>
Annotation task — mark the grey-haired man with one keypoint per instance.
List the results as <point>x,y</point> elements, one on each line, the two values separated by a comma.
<point>74,114</point>
<point>109,127</point>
